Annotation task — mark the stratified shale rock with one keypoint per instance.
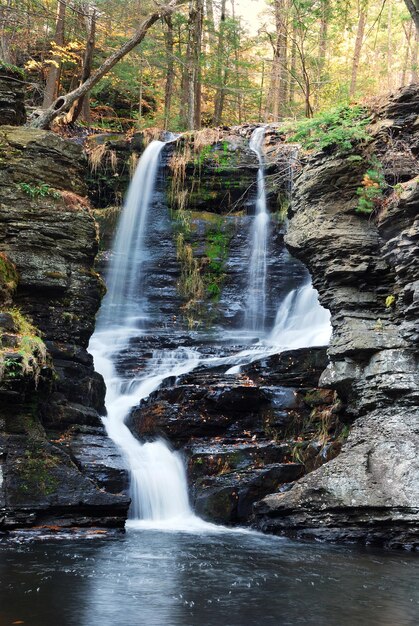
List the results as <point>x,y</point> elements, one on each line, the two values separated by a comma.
<point>12,97</point>
<point>366,272</point>
<point>244,435</point>
<point>48,388</point>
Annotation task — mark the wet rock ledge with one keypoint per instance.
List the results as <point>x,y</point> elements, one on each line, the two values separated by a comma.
<point>57,467</point>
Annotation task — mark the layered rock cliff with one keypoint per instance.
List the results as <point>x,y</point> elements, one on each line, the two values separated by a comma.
<point>12,96</point>
<point>50,395</point>
<point>365,269</point>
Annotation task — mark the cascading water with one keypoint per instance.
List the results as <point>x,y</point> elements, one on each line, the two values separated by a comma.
<point>124,300</point>
<point>158,486</point>
<point>300,321</point>
<point>256,291</point>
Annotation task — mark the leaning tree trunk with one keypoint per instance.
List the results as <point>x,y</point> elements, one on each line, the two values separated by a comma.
<point>53,78</point>
<point>63,103</point>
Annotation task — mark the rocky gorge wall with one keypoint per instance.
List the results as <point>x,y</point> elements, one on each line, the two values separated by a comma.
<point>278,428</point>
<point>57,466</point>
<point>366,271</point>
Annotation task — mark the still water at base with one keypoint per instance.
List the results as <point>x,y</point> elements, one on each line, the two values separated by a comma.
<point>219,578</point>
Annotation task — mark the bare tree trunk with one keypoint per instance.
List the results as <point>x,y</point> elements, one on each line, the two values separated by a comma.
<point>5,54</point>
<point>293,68</point>
<point>53,78</point>
<point>413,6</point>
<point>357,52</point>
<point>197,49</point>
<point>389,44</point>
<point>408,33</point>
<point>170,75</point>
<point>82,105</point>
<point>277,95</point>
<point>209,11</point>
<point>63,103</point>
<point>191,84</point>
<point>262,84</point>
<point>414,74</point>
<point>188,96</point>
<point>222,72</point>
<point>323,35</point>
<point>237,66</point>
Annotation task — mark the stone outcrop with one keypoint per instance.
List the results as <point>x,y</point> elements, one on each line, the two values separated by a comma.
<point>244,435</point>
<point>12,97</point>
<point>218,170</point>
<point>51,398</point>
<point>365,269</point>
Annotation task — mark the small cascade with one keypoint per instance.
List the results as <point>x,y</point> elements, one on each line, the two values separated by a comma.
<point>301,322</point>
<point>158,485</point>
<point>256,292</point>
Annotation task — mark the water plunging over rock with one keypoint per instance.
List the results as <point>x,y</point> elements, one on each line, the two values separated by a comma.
<point>369,493</point>
<point>256,296</point>
<point>144,360</point>
<point>158,485</point>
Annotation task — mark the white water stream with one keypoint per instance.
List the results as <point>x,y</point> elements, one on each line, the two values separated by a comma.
<point>256,290</point>
<point>158,485</point>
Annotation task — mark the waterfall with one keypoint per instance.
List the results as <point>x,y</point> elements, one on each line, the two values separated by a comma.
<point>124,300</point>
<point>256,291</point>
<point>158,485</point>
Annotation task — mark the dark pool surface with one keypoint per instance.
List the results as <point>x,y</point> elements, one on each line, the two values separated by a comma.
<point>179,579</point>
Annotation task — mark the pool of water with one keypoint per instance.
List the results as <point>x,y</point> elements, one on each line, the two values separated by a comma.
<point>160,578</point>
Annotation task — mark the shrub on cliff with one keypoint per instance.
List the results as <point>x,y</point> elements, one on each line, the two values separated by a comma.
<point>338,129</point>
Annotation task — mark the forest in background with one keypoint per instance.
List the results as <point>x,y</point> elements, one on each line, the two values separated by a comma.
<point>198,65</point>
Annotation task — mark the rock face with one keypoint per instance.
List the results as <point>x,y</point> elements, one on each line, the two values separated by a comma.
<point>366,272</point>
<point>243,435</point>
<point>12,105</point>
<point>48,237</point>
<point>218,170</point>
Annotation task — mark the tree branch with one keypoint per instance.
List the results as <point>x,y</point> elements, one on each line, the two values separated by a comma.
<point>63,103</point>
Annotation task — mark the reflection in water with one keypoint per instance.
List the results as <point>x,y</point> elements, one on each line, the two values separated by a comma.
<point>185,579</point>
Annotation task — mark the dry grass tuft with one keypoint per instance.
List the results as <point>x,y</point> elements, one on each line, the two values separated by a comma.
<point>96,157</point>
<point>100,156</point>
<point>177,165</point>
<point>132,163</point>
